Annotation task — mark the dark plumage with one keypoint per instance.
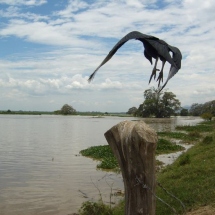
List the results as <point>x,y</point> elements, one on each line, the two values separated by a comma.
<point>154,48</point>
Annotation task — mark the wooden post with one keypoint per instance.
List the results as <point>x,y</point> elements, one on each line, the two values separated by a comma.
<point>134,144</point>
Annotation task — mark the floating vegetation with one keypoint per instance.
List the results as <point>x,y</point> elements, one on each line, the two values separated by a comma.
<point>198,128</point>
<point>191,136</point>
<point>165,146</point>
<point>103,154</point>
<point>108,161</point>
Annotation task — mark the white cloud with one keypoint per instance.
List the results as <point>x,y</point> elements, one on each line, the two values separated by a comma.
<point>23,2</point>
<point>108,84</point>
<point>14,12</point>
<point>73,6</point>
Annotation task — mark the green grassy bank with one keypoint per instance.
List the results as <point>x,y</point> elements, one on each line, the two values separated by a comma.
<point>191,178</point>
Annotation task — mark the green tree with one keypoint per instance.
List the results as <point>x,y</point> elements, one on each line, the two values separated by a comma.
<point>196,109</point>
<point>67,110</point>
<point>139,111</point>
<point>159,104</point>
<point>132,110</point>
<point>184,112</point>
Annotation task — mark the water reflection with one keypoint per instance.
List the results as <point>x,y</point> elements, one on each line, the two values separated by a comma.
<point>40,172</point>
<point>169,124</point>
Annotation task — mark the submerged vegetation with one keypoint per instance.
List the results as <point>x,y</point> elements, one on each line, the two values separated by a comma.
<point>191,178</point>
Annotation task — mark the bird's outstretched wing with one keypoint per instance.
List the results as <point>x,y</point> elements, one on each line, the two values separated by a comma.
<point>129,36</point>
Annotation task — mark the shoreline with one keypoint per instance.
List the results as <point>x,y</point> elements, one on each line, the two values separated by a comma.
<point>168,159</point>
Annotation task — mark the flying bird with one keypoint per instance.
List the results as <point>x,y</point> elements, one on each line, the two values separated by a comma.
<point>154,48</point>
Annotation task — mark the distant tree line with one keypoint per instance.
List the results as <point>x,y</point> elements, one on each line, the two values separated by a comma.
<point>199,109</point>
<point>21,112</point>
<point>206,110</point>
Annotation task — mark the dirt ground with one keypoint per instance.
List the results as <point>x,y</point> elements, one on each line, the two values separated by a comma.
<point>207,210</point>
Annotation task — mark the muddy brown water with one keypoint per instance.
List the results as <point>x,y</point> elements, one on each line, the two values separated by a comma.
<point>41,171</point>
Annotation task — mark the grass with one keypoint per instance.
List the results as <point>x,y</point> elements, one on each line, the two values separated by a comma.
<point>191,178</point>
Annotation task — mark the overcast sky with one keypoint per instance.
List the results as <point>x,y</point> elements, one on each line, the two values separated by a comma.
<point>48,49</point>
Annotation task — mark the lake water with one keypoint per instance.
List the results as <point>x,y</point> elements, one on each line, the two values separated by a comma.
<point>41,171</point>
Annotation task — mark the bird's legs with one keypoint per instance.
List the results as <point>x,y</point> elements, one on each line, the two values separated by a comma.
<point>160,77</point>
<point>154,70</point>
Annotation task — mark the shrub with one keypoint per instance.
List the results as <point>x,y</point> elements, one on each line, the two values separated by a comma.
<point>207,116</point>
<point>95,208</point>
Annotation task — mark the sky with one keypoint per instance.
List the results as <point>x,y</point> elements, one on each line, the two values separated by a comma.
<point>48,49</point>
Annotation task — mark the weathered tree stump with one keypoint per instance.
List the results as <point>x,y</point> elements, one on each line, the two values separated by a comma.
<point>134,144</point>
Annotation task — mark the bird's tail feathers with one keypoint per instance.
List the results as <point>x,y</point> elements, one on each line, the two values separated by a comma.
<point>162,87</point>
<point>172,72</point>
